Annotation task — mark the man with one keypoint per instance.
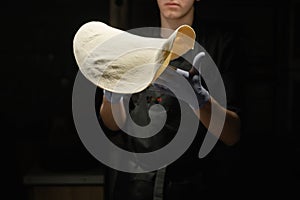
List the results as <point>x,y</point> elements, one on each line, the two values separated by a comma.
<point>188,176</point>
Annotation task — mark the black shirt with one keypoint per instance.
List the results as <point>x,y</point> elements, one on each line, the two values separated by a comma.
<point>188,174</point>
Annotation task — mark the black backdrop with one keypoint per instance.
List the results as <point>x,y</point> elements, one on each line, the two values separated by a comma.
<point>38,70</point>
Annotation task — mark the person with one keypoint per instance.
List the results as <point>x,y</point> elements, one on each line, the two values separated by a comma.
<point>189,176</point>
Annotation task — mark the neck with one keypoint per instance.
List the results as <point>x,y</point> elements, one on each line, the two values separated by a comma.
<point>173,24</point>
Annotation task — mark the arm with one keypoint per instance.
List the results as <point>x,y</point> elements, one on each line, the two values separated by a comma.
<point>109,104</point>
<point>230,134</point>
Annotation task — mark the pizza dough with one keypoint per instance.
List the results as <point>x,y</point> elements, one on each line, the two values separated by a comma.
<point>122,62</point>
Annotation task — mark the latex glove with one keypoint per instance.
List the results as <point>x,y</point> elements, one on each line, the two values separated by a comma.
<point>193,77</point>
<point>113,97</point>
<point>195,80</point>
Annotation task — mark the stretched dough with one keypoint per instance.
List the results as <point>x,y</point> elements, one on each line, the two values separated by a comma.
<point>122,62</point>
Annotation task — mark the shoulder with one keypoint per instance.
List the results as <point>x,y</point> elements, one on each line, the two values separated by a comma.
<point>211,32</point>
<point>220,39</point>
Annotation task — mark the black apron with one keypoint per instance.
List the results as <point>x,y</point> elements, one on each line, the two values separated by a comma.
<point>188,177</point>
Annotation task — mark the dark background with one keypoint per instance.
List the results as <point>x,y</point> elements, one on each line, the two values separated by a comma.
<point>38,70</point>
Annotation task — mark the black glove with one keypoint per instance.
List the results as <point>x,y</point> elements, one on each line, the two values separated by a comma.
<point>113,97</point>
<point>194,78</point>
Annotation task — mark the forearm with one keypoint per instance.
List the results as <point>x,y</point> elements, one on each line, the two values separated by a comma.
<point>111,121</point>
<point>230,133</point>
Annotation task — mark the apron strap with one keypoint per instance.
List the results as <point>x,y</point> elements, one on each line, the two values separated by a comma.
<point>159,184</point>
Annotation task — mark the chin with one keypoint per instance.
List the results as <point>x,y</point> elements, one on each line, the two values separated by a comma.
<point>171,15</point>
